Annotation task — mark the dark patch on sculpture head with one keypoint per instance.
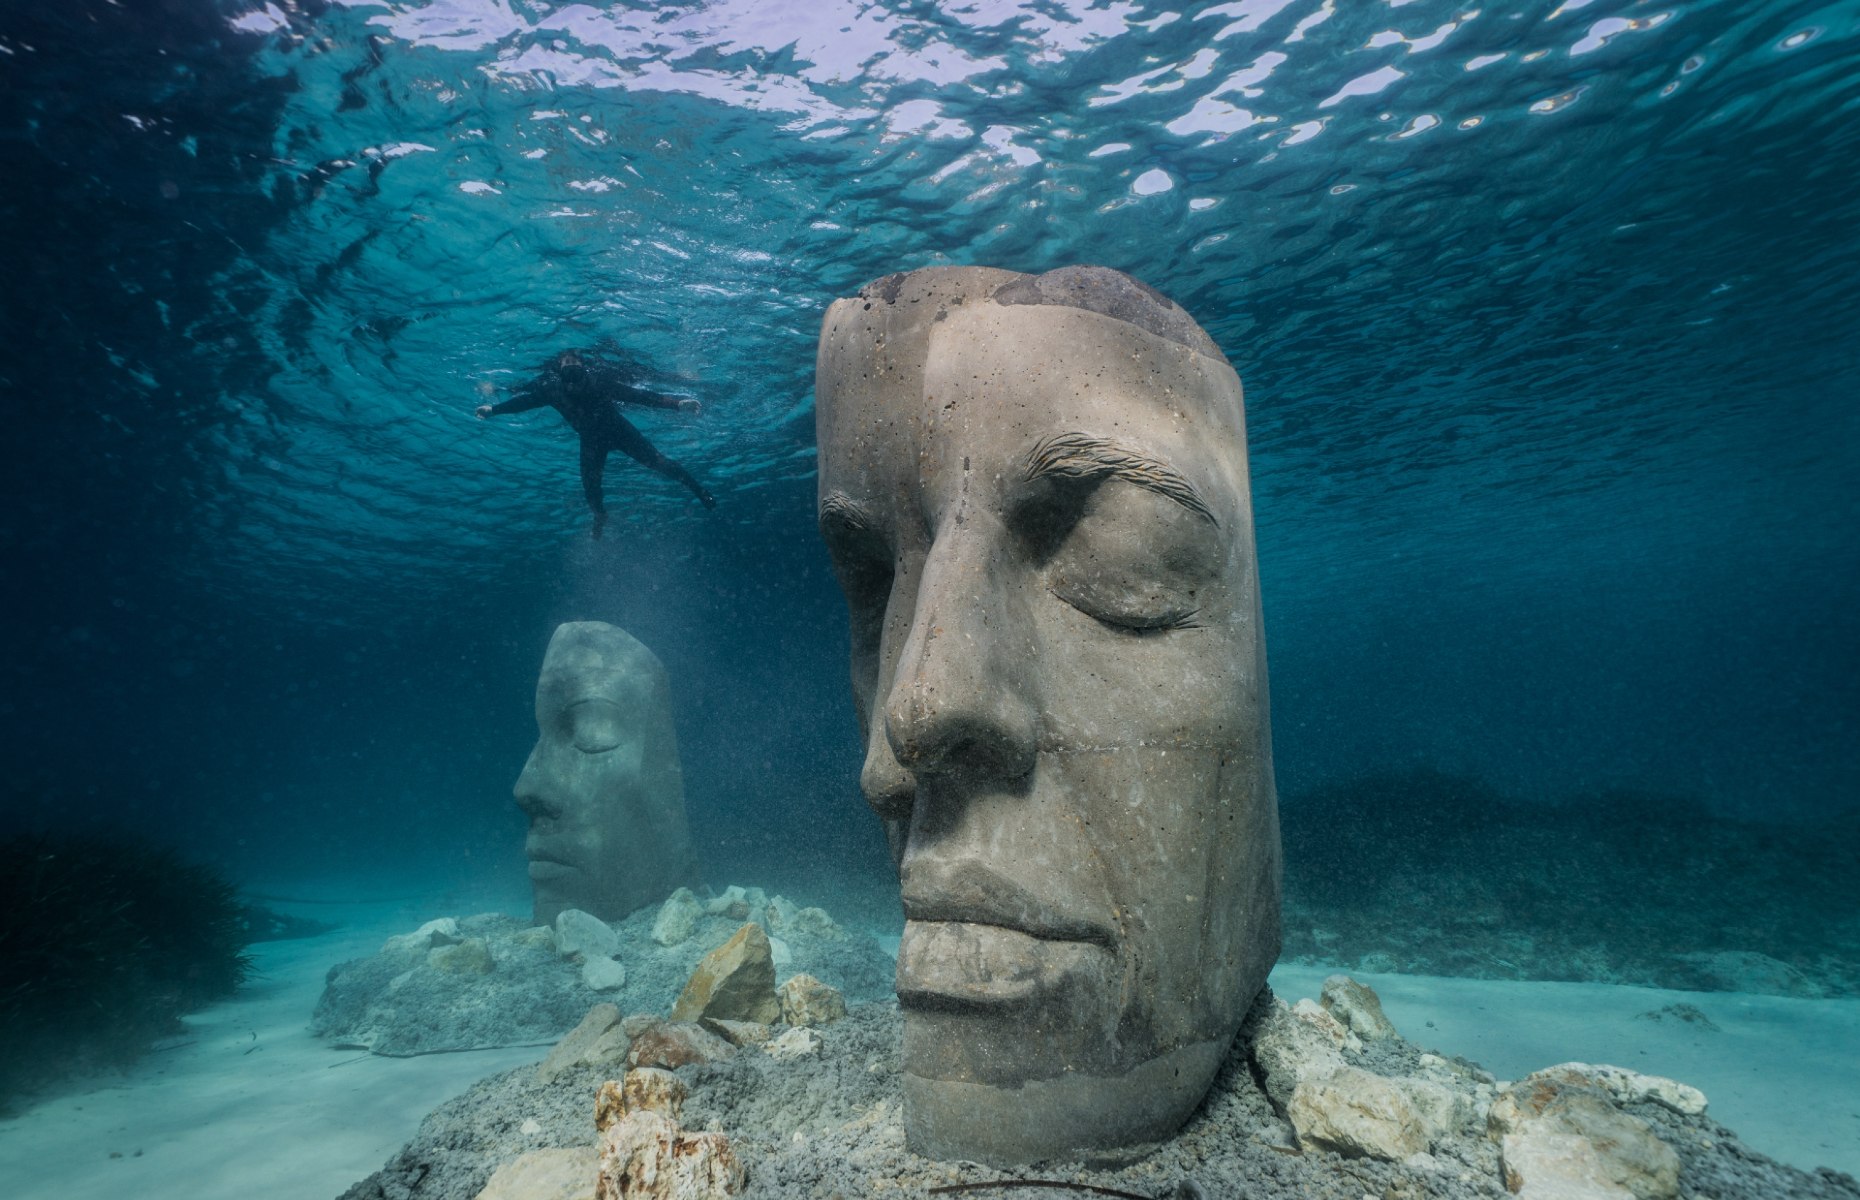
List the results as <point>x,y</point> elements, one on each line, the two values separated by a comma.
<point>1112,294</point>
<point>885,288</point>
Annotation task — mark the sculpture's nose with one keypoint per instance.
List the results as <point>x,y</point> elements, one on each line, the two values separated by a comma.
<point>532,793</point>
<point>958,703</point>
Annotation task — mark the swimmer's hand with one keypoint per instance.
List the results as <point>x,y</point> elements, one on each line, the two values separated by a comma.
<point>690,407</point>
<point>482,411</point>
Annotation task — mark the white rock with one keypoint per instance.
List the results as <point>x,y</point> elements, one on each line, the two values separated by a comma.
<point>1356,1112</point>
<point>649,1089</point>
<point>1562,1138</point>
<point>1556,1166</point>
<point>602,974</point>
<point>653,1089</point>
<point>805,1000</point>
<point>583,934</point>
<point>443,932</point>
<point>1319,1018</point>
<point>1358,1006</point>
<point>780,953</point>
<point>795,1044</point>
<point>529,1126</point>
<point>545,1175</point>
<point>780,914</point>
<point>645,1156</point>
<point>1628,1087</point>
<point>1288,1051</point>
<point>814,922</point>
<point>678,918</point>
<point>730,898</point>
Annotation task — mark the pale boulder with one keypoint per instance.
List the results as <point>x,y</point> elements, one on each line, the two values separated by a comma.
<point>1357,1006</point>
<point>732,901</point>
<point>584,935</point>
<point>654,1089</point>
<point>807,1001</point>
<point>780,914</point>
<point>645,1156</point>
<point>1625,1086</point>
<point>645,1089</point>
<point>814,922</point>
<point>678,918</point>
<point>1288,1051</point>
<point>1321,1019</point>
<point>1358,1114</point>
<point>561,1174</point>
<point>734,982</point>
<point>1556,1166</point>
<point>602,974</point>
<point>1563,1138</point>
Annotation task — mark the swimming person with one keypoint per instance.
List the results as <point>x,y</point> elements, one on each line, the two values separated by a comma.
<point>588,391</point>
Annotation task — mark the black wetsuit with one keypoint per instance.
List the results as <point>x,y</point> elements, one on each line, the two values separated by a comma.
<point>588,392</point>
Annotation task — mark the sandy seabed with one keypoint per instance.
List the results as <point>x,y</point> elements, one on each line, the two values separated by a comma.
<point>249,1104</point>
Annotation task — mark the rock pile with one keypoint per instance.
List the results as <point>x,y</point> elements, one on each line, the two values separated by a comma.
<point>1321,1100</point>
<point>490,980</point>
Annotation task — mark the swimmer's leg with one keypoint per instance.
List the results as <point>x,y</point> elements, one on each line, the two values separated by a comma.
<point>634,445</point>
<point>593,471</point>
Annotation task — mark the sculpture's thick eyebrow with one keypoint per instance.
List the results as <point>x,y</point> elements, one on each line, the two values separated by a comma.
<point>1088,456</point>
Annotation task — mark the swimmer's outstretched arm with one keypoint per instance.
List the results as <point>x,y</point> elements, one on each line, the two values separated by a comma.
<point>628,394</point>
<point>521,402</point>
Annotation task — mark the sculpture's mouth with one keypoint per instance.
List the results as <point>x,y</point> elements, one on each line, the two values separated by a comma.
<point>975,939</point>
<point>956,966</point>
<point>546,869</point>
<point>966,891</point>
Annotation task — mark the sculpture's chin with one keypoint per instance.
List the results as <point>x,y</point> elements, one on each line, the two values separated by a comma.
<point>1072,1116</point>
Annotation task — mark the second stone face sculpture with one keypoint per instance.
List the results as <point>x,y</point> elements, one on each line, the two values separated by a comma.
<point>1035,493</point>
<point>603,788</point>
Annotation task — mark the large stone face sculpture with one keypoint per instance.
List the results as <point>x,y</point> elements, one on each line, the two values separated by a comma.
<point>603,789</point>
<point>1035,493</point>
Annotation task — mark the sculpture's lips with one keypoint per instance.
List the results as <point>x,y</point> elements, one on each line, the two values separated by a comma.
<point>972,894</point>
<point>549,868</point>
<point>957,965</point>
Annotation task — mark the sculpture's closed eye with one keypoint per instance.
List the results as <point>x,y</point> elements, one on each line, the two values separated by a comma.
<point>594,726</point>
<point>1118,605</point>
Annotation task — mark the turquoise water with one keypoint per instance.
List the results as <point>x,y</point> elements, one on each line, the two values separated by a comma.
<point>1545,314</point>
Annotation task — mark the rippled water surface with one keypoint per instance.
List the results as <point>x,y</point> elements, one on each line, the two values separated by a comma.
<point>1546,314</point>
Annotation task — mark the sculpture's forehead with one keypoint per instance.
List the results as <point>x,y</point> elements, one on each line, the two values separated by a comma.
<point>987,382</point>
<point>583,668</point>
